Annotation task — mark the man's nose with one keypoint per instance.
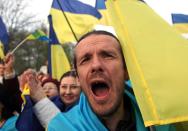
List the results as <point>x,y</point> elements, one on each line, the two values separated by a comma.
<point>96,64</point>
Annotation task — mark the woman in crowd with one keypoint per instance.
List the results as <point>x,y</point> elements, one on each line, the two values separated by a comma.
<point>69,89</point>
<point>50,87</point>
<point>69,92</point>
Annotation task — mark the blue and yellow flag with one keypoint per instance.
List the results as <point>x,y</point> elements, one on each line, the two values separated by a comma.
<point>27,120</point>
<point>72,18</point>
<point>4,38</point>
<point>101,7</point>
<point>180,22</point>
<point>38,35</point>
<point>58,62</point>
<point>157,59</point>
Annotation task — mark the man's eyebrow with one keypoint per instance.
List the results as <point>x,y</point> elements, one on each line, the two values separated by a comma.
<point>106,49</point>
<point>87,54</point>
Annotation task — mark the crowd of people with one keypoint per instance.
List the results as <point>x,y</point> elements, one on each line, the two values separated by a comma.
<point>16,106</point>
<point>88,98</point>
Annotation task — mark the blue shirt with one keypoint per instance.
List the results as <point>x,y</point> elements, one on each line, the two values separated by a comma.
<point>82,118</point>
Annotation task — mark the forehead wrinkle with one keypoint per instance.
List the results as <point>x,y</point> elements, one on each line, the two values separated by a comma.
<point>97,39</point>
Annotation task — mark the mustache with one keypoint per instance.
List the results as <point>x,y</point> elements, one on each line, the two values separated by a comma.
<point>97,74</point>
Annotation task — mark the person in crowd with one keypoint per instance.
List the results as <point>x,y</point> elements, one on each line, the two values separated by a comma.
<point>8,115</point>
<point>69,92</point>
<point>10,95</point>
<point>50,87</point>
<point>10,81</point>
<point>106,103</point>
<point>69,89</point>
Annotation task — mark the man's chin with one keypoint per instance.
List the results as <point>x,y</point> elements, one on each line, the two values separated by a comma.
<point>105,112</point>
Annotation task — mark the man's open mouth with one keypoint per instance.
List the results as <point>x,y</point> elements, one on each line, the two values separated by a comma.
<point>100,89</point>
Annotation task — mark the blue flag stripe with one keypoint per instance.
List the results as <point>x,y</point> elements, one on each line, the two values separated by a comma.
<point>100,4</point>
<point>179,18</point>
<point>54,40</point>
<point>75,7</point>
<point>4,37</point>
<point>52,34</point>
<point>43,38</point>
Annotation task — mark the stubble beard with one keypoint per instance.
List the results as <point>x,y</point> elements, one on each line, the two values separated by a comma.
<point>106,110</point>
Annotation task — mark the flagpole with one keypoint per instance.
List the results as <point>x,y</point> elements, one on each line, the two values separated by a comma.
<point>19,45</point>
<point>68,21</point>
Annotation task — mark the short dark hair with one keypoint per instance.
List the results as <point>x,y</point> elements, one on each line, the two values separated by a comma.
<point>71,73</point>
<point>50,79</point>
<point>99,32</point>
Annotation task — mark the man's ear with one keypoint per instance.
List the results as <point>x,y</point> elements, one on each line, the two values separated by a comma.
<point>126,75</point>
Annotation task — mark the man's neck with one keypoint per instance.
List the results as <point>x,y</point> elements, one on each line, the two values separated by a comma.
<point>112,121</point>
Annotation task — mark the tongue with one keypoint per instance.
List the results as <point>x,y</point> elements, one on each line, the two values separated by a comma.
<point>100,92</point>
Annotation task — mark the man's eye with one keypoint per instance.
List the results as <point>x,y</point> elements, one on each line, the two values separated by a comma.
<point>84,60</point>
<point>107,55</point>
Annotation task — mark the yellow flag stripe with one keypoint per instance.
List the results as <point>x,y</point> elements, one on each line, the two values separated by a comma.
<point>81,24</point>
<point>60,63</point>
<point>156,57</point>
<point>134,58</point>
<point>1,50</point>
<point>182,28</point>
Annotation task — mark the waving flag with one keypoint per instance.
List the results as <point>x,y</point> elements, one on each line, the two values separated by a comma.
<point>180,22</point>
<point>58,62</point>
<point>157,60</point>
<point>38,35</point>
<point>101,7</point>
<point>72,18</point>
<point>4,38</point>
<point>1,51</point>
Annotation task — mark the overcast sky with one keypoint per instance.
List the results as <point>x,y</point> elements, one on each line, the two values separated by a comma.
<point>163,7</point>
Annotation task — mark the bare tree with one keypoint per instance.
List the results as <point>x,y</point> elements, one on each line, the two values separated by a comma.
<point>19,20</point>
<point>15,15</point>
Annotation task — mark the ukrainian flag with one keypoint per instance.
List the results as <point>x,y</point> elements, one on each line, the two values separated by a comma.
<point>180,22</point>
<point>4,38</point>
<point>27,121</point>
<point>101,7</point>
<point>58,62</point>
<point>157,59</point>
<point>72,18</point>
<point>38,35</point>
